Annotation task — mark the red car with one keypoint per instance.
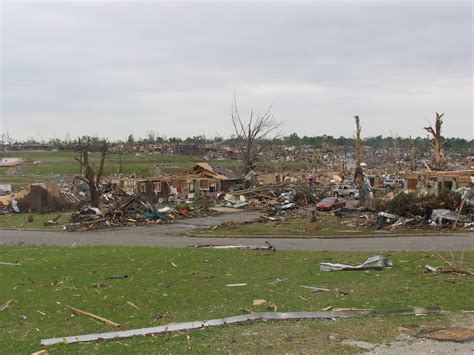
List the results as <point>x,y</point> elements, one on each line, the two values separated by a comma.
<point>330,204</point>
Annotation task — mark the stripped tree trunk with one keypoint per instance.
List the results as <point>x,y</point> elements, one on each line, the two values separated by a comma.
<point>438,142</point>
<point>91,178</point>
<point>359,173</point>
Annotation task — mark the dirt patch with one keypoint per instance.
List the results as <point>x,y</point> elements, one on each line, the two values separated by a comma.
<point>448,340</point>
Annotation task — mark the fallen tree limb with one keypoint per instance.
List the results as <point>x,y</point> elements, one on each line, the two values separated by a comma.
<point>94,316</point>
<point>252,317</point>
<point>448,270</point>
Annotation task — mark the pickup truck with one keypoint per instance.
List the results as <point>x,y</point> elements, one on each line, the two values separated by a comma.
<point>393,183</point>
<point>345,191</point>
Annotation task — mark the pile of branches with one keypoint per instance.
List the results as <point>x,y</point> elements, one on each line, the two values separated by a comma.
<point>411,205</point>
<point>133,210</point>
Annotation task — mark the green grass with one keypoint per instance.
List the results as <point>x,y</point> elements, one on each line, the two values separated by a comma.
<point>20,221</point>
<point>64,164</point>
<point>327,225</point>
<point>195,288</point>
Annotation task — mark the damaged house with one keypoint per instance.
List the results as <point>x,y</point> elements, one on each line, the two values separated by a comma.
<point>431,182</point>
<point>203,179</point>
<point>154,189</point>
<point>43,197</point>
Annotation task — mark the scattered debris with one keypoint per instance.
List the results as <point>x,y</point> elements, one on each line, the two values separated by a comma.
<point>41,352</point>
<point>377,262</point>
<point>453,266</point>
<point>447,270</point>
<point>236,285</point>
<point>94,316</point>
<point>6,305</point>
<point>54,221</point>
<point>252,317</point>
<point>133,305</point>
<point>267,246</point>
<point>316,289</point>
<point>11,264</point>
<point>115,277</point>
<point>277,280</point>
<point>259,302</point>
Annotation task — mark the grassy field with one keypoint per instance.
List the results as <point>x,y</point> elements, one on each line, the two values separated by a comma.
<point>56,165</point>
<point>327,225</point>
<point>173,285</point>
<point>20,221</point>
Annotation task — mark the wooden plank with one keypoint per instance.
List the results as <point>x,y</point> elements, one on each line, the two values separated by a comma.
<point>94,316</point>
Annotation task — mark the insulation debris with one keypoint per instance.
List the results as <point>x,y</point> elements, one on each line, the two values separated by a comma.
<point>377,262</point>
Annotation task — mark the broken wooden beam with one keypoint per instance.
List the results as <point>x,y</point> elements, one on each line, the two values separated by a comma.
<point>267,246</point>
<point>252,317</point>
<point>94,316</point>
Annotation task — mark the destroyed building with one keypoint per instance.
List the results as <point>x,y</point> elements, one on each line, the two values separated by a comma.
<point>431,182</point>
<point>203,179</point>
<point>42,197</point>
<point>152,188</point>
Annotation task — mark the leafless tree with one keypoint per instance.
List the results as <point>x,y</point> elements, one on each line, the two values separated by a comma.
<point>90,177</point>
<point>438,140</point>
<point>412,154</point>
<point>252,134</point>
<point>359,173</point>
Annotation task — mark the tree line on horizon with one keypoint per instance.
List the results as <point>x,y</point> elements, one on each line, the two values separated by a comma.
<point>422,143</point>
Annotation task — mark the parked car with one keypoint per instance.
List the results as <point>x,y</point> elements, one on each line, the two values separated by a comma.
<point>345,191</point>
<point>330,204</point>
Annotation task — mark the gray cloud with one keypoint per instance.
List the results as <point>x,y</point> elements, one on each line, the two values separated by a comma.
<point>122,67</point>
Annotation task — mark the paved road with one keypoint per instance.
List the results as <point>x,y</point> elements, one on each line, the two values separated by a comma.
<point>172,236</point>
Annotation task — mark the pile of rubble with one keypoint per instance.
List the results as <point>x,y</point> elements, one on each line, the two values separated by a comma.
<point>277,202</point>
<point>129,211</point>
<point>409,211</point>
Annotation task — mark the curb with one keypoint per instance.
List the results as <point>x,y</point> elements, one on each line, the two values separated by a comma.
<point>364,236</point>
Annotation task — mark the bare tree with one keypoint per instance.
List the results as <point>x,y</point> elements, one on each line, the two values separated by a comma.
<point>412,154</point>
<point>252,134</point>
<point>91,178</point>
<point>359,173</point>
<point>438,140</point>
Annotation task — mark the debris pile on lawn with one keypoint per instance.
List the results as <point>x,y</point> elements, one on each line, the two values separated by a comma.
<point>283,195</point>
<point>129,211</point>
<point>409,210</point>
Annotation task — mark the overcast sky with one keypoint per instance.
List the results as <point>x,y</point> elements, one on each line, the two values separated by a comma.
<point>118,68</point>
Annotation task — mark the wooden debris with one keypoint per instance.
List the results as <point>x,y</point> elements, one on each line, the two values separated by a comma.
<point>6,305</point>
<point>41,352</point>
<point>12,264</point>
<point>94,316</point>
<point>316,289</point>
<point>133,305</point>
<point>252,317</point>
<point>267,246</point>
<point>259,302</point>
